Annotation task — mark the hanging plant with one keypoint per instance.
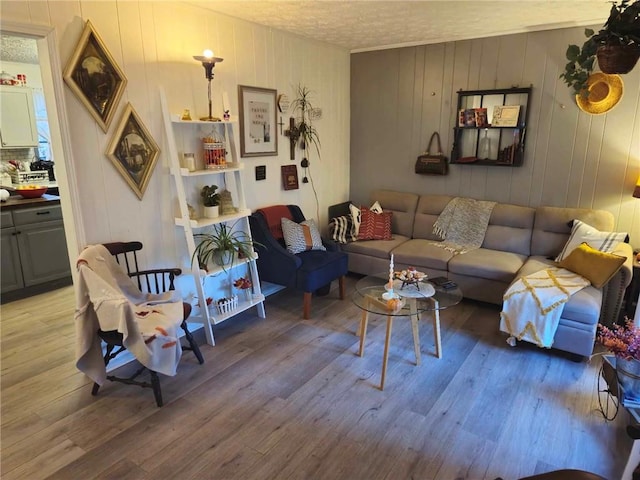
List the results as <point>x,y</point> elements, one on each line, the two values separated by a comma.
<point>306,132</point>
<point>616,46</point>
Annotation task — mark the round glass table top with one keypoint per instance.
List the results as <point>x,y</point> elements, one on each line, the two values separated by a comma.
<point>425,297</point>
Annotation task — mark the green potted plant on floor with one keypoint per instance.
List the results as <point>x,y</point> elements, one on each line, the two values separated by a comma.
<point>616,46</point>
<point>211,201</point>
<point>221,246</point>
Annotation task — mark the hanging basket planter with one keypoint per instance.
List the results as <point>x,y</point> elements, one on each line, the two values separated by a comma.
<point>618,59</point>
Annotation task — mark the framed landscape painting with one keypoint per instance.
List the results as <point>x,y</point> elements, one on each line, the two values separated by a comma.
<point>133,151</point>
<point>258,136</point>
<point>94,76</point>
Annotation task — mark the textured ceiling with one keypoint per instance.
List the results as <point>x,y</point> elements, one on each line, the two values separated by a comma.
<point>360,25</point>
<point>18,49</point>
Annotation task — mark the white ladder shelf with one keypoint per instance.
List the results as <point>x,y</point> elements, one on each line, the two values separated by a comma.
<point>207,314</point>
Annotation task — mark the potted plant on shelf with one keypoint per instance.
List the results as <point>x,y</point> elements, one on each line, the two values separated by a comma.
<point>211,201</point>
<point>221,246</point>
<point>616,46</point>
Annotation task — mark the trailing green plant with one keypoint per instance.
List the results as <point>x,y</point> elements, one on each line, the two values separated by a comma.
<point>580,65</point>
<point>222,238</point>
<point>622,28</point>
<point>307,134</point>
<point>209,196</point>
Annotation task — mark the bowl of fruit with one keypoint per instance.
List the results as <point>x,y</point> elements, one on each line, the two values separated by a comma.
<point>410,276</point>
<point>31,191</point>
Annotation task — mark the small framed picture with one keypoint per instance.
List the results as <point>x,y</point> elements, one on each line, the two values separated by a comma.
<point>261,172</point>
<point>481,117</point>
<point>470,117</point>
<point>94,76</point>
<point>289,177</point>
<point>133,151</point>
<point>505,116</point>
<point>258,136</point>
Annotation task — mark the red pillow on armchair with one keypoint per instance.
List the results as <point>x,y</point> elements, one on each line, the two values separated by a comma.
<point>374,226</point>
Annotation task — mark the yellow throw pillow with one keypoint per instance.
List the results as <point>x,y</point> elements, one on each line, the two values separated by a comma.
<point>596,266</point>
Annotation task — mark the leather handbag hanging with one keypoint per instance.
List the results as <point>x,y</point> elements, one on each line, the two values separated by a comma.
<point>432,163</point>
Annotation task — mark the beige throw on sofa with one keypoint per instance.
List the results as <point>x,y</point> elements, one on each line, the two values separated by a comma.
<point>463,224</point>
<point>533,304</point>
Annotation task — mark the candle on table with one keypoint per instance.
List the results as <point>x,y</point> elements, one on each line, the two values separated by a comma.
<point>391,272</point>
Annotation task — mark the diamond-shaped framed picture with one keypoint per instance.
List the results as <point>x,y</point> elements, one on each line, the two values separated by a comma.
<point>133,151</point>
<point>95,77</point>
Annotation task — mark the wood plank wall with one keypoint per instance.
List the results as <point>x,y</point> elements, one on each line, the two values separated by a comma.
<point>153,43</point>
<point>400,96</point>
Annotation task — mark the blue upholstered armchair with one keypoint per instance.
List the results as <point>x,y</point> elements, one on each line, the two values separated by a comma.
<point>311,271</point>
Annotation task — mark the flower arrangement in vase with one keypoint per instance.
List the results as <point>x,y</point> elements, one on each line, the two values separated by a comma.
<point>624,342</point>
<point>244,284</point>
<point>621,340</point>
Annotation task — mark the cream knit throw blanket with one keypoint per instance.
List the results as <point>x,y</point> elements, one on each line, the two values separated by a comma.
<point>533,305</point>
<point>463,224</point>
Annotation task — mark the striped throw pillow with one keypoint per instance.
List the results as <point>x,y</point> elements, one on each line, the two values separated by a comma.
<point>343,229</point>
<point>583,232</point>
<point>300,237</point>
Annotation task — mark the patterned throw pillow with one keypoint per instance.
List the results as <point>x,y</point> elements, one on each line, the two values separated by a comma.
<point>582,232</point>
<point>300,237</point>
<point>343,229</point>
<point>375,226</point>
<point>355,214</point>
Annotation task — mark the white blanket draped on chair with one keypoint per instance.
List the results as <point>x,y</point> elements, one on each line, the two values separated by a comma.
<point>533,304</point>
<point>107,299</point>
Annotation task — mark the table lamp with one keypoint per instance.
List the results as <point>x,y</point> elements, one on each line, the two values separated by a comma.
<point>208,62</point>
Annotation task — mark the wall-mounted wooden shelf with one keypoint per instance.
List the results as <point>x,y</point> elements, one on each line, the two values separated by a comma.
<point>506,144</point>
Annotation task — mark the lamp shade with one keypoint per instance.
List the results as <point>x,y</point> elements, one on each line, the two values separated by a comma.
<point>636,191</point>
<point>208,57</point>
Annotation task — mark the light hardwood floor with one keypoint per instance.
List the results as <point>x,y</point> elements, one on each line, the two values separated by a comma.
<point>283,398</point>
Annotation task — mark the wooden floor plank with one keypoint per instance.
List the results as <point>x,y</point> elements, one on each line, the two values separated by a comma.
<point>287,398</point>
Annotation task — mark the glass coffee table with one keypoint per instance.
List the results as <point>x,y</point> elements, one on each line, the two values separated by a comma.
<point>411,302</point>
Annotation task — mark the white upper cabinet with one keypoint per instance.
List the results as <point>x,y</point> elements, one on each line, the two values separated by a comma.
<point>17,118</point>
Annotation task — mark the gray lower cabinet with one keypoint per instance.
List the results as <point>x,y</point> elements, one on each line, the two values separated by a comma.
<point>11,272</point>
<point>36,248</point>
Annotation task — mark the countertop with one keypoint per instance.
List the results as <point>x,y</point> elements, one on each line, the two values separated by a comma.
<point>16,202</point>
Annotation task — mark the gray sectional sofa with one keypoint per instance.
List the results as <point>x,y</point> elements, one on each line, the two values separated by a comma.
<point>518,241</point>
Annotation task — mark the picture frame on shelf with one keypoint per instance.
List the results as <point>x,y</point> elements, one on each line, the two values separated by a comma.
<point>505,116</point>
<point>258,135</point>
<point>94,77</point>
<point>133,151</point>
<point>481,117</point>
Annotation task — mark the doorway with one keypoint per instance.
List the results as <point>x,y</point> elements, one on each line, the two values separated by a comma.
<point>60,140</point>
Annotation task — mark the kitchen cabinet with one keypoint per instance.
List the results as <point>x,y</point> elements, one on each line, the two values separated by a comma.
<point>11,272</point>
<point>17,118</point>
<point>34,249</point>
